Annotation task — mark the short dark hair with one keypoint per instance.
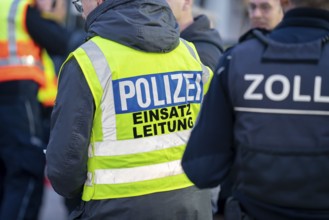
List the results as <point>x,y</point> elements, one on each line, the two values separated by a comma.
<point>312,3</point>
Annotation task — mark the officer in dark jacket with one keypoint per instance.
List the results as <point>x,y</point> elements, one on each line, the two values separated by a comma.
<point>208,44</point>
<point>265,121</point>
<point>207,40</point>
<point>198,30</point>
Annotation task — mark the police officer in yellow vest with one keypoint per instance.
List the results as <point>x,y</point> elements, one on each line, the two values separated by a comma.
<point>126,103</point>
<point>23,34</point>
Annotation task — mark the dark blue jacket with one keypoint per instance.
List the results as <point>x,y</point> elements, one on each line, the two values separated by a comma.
<point>265,121</point>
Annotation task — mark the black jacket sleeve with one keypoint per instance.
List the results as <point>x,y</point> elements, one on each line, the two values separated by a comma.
<point>209,153</point>
<point>71,124</point>
<point>47,33</point>
<point>209,54</point>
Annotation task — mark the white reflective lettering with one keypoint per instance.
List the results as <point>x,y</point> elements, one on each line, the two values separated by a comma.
<point>291,88</point>
<point>155,91</point>
<point>296,92</point>
<point>139,92</point>
<point>157,102</point>
<point>269,87</point>
<point>317,91</point>
<point>179,78</point>
<point>198,87</point>
<point>249,94</point>
<point>189,86</point>
<point>167,88</point>
<point>123,95</point>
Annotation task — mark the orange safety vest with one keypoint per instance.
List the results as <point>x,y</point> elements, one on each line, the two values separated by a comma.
<point>47,92</point>
<point>20,56</point>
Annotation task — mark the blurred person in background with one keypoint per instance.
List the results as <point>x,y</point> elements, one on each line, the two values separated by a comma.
<point>264,14</point>
<point>24,34</point>
<point>198,30</point>
<point>59,12</point>
<point>56,11</point>
<point>196,27</point>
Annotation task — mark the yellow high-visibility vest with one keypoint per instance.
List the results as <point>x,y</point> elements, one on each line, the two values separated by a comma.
<point>145,107</point>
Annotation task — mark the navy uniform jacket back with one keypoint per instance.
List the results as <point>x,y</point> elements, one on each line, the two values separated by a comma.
<point>281,104</point>
<point>268,107</point>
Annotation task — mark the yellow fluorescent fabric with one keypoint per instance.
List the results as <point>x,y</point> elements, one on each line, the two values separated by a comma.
<point>20,56</point>
<point>47,93</point>
<point>146,105</point>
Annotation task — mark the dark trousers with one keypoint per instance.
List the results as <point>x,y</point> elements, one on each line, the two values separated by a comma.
<point>22,160</point>
<point>233,211</point>
<point>21,183</point>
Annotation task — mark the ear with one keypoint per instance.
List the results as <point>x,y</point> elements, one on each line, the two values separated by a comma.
<point>187,4</point>
<point>99,2</point>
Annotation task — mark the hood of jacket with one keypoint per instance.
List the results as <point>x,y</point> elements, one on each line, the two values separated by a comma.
<point>200,31</point>
<point>146,25</point>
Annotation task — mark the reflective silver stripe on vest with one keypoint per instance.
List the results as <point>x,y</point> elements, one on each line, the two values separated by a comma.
<point>11,28</point>
<point>135,174</point>
<point>281,111</point>
<point>104,75</point>
<point>25,61</point>
<point>205,70</point>
<point>12,47</point>
<point>192,52</point>
<point>125,147</point>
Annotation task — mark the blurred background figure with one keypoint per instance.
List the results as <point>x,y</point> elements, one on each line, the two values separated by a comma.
<point>59,11</point>
<point>198,30</point>
<point>26,38</point>
<point>195,26</point>
<point>265,14</point>
<point>55,10</point>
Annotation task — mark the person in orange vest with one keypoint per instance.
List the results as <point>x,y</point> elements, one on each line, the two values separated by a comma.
<point>23,35</point>
<point>47,92</point>
<point>54,11</point>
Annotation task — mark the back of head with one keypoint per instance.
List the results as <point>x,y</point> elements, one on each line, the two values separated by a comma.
<point>322,4</point>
